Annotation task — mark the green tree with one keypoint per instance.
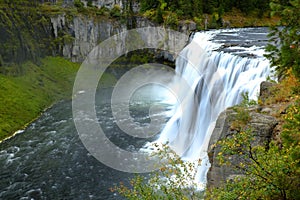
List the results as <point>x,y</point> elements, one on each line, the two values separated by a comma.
<point>197,8</point>
<point>148,4</point>
<point>209,6</point>
<point>78,4</point>
<point>284,39</point>
<point>245,6</point>
<point>159,16</point>
<point>262,6</point>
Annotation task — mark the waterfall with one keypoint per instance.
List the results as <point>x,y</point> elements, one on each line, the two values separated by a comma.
<point>217,80</point>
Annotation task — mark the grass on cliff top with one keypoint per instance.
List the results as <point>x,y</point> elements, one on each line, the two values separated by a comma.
<point>24,97</point>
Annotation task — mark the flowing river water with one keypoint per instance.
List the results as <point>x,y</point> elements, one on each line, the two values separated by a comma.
<point>48,161</point>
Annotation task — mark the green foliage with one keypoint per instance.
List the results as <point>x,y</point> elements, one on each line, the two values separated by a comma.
<point>148,5</point>
<point>242,116</point>
<point>116,11</point>
<point>90,3</point>
<point>103,11</point>
<point>247,102</point>
<point>159,16</point>
<point>198,22</point>
<point>284,39</point>
<point>172,181</point>
<point>78,4</point>
<point>240,120</point>
<point>284,91</point>
<point>24,31</point>
<point>269,173</point>
<point>171,20</point>
<point>196,8</point>
<point>291,129</point>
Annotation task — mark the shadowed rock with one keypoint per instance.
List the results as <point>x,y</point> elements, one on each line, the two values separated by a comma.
<point>262,127</point>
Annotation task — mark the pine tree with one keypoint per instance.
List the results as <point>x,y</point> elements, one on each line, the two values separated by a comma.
<point>285,38</point>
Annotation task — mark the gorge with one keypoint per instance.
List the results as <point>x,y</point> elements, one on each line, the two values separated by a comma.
<point>50,161</point>
<point>179,76</point>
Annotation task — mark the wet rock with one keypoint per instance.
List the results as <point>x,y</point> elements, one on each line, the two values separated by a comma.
<point>34,194</point>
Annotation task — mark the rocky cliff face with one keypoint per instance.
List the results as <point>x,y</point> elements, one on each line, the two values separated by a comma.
<point>73,34</point>
<point>88,32</point>
<point>262,128</point>
<point>106,3</point>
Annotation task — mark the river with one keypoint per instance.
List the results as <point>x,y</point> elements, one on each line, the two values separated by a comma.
<point>48,161</point>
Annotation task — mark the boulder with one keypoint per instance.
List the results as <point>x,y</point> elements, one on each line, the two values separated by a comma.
<point>262,127</point>
<point>265,90</point>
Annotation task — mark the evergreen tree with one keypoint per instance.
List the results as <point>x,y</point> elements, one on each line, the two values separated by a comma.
<point>285,38</point>
<point>197,8</point>
<point>148,4</point>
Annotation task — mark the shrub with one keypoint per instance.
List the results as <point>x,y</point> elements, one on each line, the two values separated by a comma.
<point>284,39</point>
<point>78,4</point>
<point>171,20</point>
<point>269,173</point>
<point>116,11</point>
<point>90,3</point>
<point>283,91</point>
<point>172,181</point>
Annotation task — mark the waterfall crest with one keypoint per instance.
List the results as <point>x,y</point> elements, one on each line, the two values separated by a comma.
<point>217,80</point>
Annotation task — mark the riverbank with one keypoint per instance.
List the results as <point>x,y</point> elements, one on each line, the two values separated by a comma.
<point>23,97</point>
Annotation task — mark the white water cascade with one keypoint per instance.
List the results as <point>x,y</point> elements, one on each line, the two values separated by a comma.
<point>217,80</point>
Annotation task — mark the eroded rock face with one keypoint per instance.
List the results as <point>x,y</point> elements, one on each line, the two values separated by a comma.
<point>266,90</point>
<point>106,3</point>
<point>86,33</point>
<point>262,127</point>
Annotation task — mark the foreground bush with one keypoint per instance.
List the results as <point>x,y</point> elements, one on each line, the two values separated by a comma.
<point>175,180</point>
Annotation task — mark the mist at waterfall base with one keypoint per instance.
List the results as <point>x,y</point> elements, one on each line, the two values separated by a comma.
<point>48,161</point>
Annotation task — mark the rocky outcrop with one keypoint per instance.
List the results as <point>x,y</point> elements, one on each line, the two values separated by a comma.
<point>106,3</point>
<point>265,90</point>
<point>262,127</point>
<point>87,32</point>
<point>70,32</point>
<point>187,26</point>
